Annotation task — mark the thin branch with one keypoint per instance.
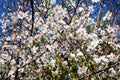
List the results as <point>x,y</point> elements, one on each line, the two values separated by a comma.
<point>31,61</point>
<point>16,74</point>
<point>99,14</point>
<point>75,10</point>
<point>32,7</point>
<point>102,70</point>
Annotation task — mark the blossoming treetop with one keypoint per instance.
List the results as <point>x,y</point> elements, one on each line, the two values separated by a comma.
<point>66,44</point>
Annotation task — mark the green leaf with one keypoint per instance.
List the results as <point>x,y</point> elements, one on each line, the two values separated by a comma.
<point>66,72</point>
<point>81,59</point>
<point>37,43</point>
<point>74,68</point>
<point>111,49</point>
<point>74,0</point>
<point>43,40</point>
<point>104,78</point>
<point>50,12</point>
<point>74,78</point>
<point>25,79</point>
<point>21,49</point>
<point>85,47</point>
<point>32,69</point>
<point>89,65</point>
<point>71,49</point>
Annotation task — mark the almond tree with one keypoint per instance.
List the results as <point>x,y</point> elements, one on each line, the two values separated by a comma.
<point>45,40</point>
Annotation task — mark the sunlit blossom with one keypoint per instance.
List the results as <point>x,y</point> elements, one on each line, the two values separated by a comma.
<point>95,1</point>
<point>58,48</point>
<point>34,49</point>
<point>82,70</point>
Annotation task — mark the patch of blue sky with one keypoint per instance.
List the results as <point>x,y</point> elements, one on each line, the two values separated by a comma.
<point>118,35</point>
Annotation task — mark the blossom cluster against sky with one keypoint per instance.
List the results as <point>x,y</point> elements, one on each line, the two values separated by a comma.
<point>74,50</point>
<point>95,6</point>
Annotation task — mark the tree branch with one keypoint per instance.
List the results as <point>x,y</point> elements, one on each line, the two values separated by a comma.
<point>99,14</point>
<point>100,71</point>
<point>31,61</point>
<point>32,7</point>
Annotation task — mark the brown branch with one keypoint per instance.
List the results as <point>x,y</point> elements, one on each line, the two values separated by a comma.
<point>75,10</point>
<point>100,71</point>
<point>16,74</point>
<point>31,61</point>
<point>99,14</point>
<point>32,7</point>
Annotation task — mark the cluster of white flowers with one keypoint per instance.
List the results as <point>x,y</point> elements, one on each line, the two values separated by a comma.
<point>57,49</point>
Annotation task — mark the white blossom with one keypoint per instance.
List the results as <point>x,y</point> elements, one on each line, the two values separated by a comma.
<point>95,1</point>
<point>53,62</point>
<point>34,49</point>
<point>82,70</point>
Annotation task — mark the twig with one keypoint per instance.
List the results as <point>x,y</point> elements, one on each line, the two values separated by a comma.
<point>99,14</point>
<point>31,61</point>
<point>32,7</point>
<point>100,71</point>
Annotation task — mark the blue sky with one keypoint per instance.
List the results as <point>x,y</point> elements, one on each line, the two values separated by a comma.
<point>1,11</point>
